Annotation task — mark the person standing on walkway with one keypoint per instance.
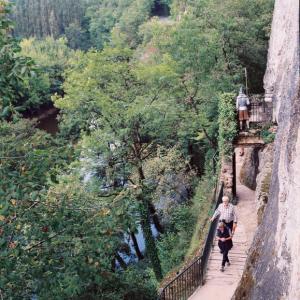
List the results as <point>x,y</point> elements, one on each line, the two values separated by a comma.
<point>242,103</point>
<point>224,238</point>
<point>227,213</point>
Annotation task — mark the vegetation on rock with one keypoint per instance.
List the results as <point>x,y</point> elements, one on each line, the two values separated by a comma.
<point>227,124</point>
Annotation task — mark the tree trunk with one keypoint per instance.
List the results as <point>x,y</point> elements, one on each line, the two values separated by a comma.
<point>155,218</point>
<point>113,265</point>
<point>136,246</point>
<point>121,261</point>
<point>150,206</point>
<point>151,248</point>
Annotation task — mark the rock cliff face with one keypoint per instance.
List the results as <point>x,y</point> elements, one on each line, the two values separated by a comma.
<point>273,265</point>
<point>249,168</point>
<point>263,179</point>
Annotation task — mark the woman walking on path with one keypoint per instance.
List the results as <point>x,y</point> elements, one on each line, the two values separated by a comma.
<point>224,238</point>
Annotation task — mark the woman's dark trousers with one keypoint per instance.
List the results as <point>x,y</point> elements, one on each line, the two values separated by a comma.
<point>225,257</point>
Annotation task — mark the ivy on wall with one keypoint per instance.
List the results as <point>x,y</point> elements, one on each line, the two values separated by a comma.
<point>227,124</point>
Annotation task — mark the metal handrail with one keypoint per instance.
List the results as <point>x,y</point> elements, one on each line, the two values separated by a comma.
<point>260,110</point>
<point>188,280</point>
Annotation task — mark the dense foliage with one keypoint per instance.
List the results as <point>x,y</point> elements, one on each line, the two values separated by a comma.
<point>15,70</point>
<point>30,72</point>
<point>41,18</point>
<point>268,133</point>
<point>227,124</point>
<point>120,196</point>
<point>30,160</point>
<point>84,23</point>
<point>52,58</point>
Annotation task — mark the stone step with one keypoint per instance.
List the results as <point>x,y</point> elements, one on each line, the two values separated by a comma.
<point>235,251</point>
<point>232,267</point>
<point>223,278</point>
<point>232,264</point>
<point>216,271</point>
<point>234,255</point>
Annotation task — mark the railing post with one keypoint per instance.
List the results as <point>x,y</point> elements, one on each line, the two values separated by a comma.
<point>201,274</point>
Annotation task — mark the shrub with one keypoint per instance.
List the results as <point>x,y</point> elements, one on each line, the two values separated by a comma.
<point>227,124</point>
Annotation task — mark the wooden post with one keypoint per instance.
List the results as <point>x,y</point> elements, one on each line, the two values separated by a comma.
<point>246,78</point>
<point>234,197</point>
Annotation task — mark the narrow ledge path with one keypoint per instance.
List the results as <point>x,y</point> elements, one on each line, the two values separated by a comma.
<point>221,285</point>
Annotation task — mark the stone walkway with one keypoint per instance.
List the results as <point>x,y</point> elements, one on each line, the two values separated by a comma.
<point>221,285</point>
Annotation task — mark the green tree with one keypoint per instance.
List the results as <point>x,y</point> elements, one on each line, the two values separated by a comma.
<point>13,68</point>
<point>53,59</point>
<point>132,18</point>
<point>122,18</point>
<point>51,222</point>
<point>28,157</point>
<point>241,32</point>
<point>103,16</point>
<point>77,36</point>
<point>130,115</point>
<point>42,18</point>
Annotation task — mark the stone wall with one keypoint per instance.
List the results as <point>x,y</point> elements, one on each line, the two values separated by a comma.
<point>226,177</point>
<point>273,264</point>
